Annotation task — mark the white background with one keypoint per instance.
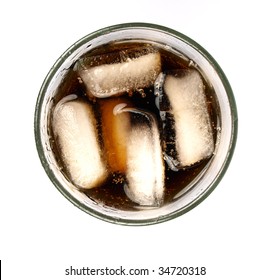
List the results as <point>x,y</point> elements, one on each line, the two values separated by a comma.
<point>42,234</point>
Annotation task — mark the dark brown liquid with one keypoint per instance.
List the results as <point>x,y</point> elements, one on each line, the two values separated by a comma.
<point>112,193</point>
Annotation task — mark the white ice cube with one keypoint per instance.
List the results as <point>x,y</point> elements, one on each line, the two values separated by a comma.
<point>74,128</point>
<point>194,137</point>
<point>145,167</point>
<point>112,79</point>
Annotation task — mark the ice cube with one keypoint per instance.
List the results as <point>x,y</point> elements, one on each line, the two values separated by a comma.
<point>193,131</point>
<point>112,79</point>
<point>145,167</point>
<point>74,128</point>
<point>115,130</point>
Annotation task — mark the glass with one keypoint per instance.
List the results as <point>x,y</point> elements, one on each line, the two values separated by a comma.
<point>172,40</point>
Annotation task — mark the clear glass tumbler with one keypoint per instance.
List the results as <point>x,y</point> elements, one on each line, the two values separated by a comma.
<point>180,44</point>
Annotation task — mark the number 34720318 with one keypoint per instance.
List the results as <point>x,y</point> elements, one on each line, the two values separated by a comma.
<point>184,270</point>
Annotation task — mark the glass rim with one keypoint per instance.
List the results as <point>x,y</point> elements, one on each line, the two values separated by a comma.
<point>115,28</point>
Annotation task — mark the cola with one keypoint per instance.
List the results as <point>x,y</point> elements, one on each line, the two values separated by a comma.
<point>153,119</point>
